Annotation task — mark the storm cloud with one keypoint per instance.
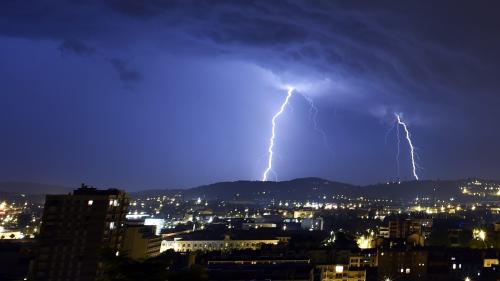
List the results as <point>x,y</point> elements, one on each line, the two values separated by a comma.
<point>435,63</point>
<point>393,54</point>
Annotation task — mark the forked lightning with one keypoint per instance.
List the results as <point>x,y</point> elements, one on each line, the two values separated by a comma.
<point>412,148</point>
<point>273,135</point>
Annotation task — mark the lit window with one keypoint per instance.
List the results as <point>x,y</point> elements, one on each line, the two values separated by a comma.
<point>407,271</point>
<point>112,225</point>
<point>117,253</point>
<point>114,202</point>
<point>90,202</point>
<point>454,266</point>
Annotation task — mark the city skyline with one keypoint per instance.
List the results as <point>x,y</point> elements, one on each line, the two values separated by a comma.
<point>177,94</point>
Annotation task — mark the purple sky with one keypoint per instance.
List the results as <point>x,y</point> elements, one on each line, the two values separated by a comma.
<point>155,94</point>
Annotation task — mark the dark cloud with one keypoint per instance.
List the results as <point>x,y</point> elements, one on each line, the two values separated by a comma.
<point>435,63</point>
<point>140,9</point>
<point>124,70</point>
<point>402,54</point>
<point>76,47</point>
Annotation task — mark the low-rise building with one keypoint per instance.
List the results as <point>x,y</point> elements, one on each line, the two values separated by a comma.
<point>312,224</point>
<point>182,245</point>
<point>303,213</point>
<point>255,225</point>
<point>206,240</point>
<point>363,260</point>
<point>402,264</point>
<point>258,269</point>
<point>140,242</point>
<point>336,272</point>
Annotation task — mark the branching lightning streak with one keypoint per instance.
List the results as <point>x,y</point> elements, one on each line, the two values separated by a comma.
<point>313,116</point>
<point>398,141</point>
<point>273,135</point>
<point>398,138</point>
<point>389,131</point>
<point>412,149</point>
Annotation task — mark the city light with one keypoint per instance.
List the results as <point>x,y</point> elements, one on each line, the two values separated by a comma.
<point>365,242</point>
<point>479,234</point>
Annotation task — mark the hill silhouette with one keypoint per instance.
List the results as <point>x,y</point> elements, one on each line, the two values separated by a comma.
<point>297,189</point>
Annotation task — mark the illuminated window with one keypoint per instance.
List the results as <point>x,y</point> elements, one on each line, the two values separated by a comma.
<point>112,225</point>
<point>90,202</point>
<point>114,202</point>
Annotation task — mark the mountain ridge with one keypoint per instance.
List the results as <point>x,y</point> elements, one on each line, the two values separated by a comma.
<point>309,188</point>
<point>318,188</point>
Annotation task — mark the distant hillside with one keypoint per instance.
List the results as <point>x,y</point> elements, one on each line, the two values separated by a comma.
<point>316,189</point>
<point>413,189</point>
<point>31,188</point>
<point>297,189</point>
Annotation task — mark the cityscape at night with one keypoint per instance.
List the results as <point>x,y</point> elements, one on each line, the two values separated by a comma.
<point>249,140</point>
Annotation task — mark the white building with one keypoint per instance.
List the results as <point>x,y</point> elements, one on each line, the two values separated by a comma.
<point>181,245</point>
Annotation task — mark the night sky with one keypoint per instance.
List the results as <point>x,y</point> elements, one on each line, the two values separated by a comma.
<point>155,94</point>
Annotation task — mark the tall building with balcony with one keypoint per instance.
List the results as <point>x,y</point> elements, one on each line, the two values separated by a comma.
<point>76,229</point>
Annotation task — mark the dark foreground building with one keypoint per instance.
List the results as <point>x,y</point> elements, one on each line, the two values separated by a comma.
<point>76,229</point>
<point>15,256</point>
<point>242,270</point>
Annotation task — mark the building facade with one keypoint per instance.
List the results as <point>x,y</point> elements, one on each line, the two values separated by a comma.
<point>76,229</point>
<point>180,245</point>
<point>140,242</point>
<point>403,264</point>
<point>336,272</point>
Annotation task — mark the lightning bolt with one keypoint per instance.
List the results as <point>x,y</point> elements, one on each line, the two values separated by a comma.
<point>412,149</point>
<point>398,139</point>
<point>398,151</point>
<point>313,116</point>
<point>273,135</point>
<point>389,131</point>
